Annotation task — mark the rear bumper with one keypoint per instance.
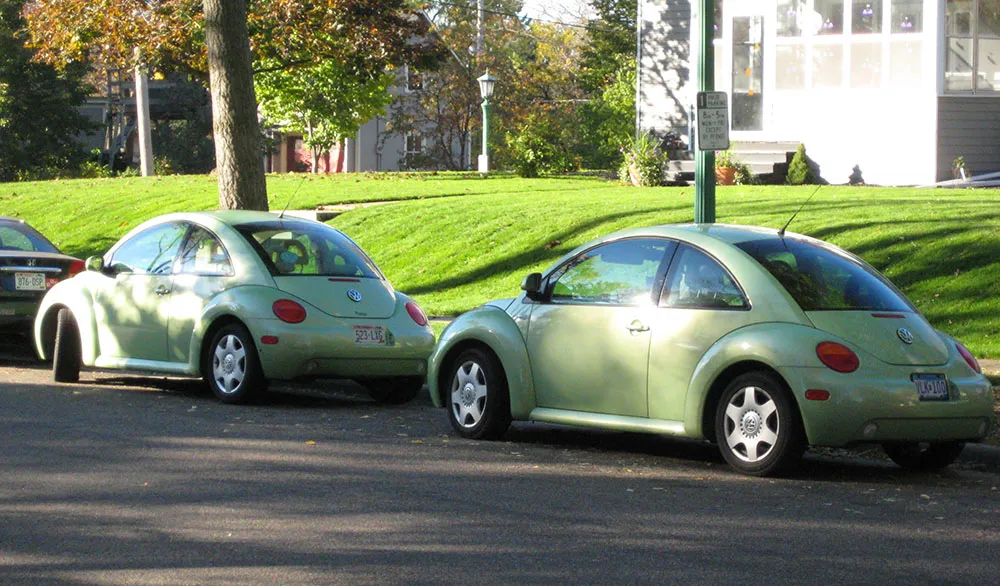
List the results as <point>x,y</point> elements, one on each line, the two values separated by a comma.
<point>18,312</point>
<point>883,406</point>
<point>328,349</point>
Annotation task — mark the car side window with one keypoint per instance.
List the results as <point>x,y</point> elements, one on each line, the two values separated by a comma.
<point>150,252</point>
<point>696,280</point>
<point>617,273</point>
<point>203,254</point>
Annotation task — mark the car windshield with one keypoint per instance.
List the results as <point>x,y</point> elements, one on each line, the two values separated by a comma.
<point>824,278</point>
<point>298,248</point>
<point>18,236</point>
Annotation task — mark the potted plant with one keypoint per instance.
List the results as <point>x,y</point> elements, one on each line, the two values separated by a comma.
<point>643,162</point>
<point>958,168</point>
<point>726,165</point>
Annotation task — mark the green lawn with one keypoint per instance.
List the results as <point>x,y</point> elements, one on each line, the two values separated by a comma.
<point>942,247</point>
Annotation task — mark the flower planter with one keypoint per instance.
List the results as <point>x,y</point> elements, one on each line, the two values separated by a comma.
<point>725,175</point>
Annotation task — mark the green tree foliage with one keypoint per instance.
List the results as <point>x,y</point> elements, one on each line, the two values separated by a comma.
<point>612,36</point>
<point>324,101</point>
<point>39,116</point>
<point>609,118</point>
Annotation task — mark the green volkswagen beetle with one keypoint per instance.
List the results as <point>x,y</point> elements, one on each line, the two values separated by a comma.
<point>762,341</point>
<point>238,298</point>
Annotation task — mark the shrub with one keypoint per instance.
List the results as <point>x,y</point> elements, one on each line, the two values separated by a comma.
<point>540,145</point>
<point>799,170</point>
<point>643,158</point>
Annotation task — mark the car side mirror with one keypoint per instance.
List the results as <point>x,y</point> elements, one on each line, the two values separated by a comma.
<point>532,285</point>
<point>95,263</point>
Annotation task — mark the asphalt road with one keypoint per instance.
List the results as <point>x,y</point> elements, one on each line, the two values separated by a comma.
<point>145,480</point>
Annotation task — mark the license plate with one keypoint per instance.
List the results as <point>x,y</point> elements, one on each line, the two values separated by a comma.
<point>931,387</point>
<point>29,281</point>
<point>369,336</point>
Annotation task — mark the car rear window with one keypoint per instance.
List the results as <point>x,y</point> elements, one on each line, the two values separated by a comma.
<point>297,248</point>
<point>824,278</point>
<point>17,236</point>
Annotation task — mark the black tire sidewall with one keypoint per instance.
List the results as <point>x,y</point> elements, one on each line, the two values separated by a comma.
<point>787,450</point>
<point>496,414</point>
<point>393,391</point>
<point>253,381</point>
<point>911,456</point>
<point>66,349</point>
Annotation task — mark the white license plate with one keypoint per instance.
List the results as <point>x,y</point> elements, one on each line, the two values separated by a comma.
<point>931,387</point>
<point>29,281</point>
<point>369,336</point>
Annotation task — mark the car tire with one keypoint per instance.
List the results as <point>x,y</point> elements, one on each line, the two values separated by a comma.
<point>66,353</point>
<point>394,391</point>
<point>757,425</point>
<point>923,456</point>
<point>231,366</point>
<point>478,398</point>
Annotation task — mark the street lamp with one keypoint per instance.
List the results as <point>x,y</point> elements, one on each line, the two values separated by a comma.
<point>486,83</point>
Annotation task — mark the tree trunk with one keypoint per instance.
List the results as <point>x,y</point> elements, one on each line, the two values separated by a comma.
<point>238,150</point>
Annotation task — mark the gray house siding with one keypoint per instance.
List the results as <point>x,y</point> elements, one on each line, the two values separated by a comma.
<point>664,91</point>
<point>968,127</point>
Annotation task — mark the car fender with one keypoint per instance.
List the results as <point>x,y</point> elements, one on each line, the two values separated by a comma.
<point>492,327</point>
<point>246,303</point>
<point>777,346</point>
<point>74,294</point>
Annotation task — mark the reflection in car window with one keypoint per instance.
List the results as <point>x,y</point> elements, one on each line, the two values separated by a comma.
<point>291,247</point>
<point>822,278</point>
<point>21,237</point>
<point>151,251</point>
<point>203,254</point>
<point>618,273</point>
<point>697,280</point>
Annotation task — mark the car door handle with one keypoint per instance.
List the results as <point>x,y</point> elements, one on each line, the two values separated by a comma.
<point>161,290</point>
<point>637,326</point>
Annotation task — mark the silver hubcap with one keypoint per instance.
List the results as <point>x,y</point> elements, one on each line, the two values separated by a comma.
<point>752,424</point>
<point>468,394</point>
<point>229,364</point>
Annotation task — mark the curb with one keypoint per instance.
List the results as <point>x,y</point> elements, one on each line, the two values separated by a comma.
<point>981,455</point>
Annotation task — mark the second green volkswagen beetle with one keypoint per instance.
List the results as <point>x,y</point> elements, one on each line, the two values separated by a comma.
<point>762,341</point>
<point>238,298</point>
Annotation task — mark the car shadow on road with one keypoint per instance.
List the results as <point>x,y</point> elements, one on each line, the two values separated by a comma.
<point>866,464</point>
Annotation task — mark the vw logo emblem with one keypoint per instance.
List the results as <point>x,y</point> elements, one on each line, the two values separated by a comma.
<point>905,335</point>
<point>354,295</point>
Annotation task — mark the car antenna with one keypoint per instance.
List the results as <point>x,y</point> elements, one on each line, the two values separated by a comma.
<point>291,197</point>
<point>781,233</point>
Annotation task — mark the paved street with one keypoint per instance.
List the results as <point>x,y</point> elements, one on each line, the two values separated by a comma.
<point>145,480</point>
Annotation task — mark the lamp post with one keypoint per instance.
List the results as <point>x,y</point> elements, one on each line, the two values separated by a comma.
<point>486,83</point>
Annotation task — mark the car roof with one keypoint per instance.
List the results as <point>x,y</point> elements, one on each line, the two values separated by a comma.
<point>729,233</point>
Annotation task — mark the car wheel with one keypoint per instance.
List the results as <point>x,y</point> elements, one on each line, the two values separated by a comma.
<point>923,456</point>
<point>66,355</point>
<point>394,391</point>
<point>757,426</point>
<point>231,366</point>
<point>479,400</point>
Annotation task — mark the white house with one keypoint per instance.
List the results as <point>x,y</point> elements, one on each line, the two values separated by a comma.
<point>899,88</point>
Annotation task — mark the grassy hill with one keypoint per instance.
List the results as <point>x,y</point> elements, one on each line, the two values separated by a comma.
<point>459,240</point>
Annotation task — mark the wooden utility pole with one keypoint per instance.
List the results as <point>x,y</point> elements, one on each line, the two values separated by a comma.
<point>239,152</point>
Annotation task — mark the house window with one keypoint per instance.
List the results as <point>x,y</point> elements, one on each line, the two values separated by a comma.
<point>904,63</point>
<point>829,17</point>
<point>828,66</point>
<point>791,15</point>
<point>866,65</point>
<point>866,17</point>
<point>907,16</point>
<point>414,144</point>
<point>790,66</point>
<point>972,62</point>
<point>414,79</point>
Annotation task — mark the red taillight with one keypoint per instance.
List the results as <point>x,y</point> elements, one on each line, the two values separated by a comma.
<point>837,357</point>
<point>288,311</point>
<point>969,358</point>
<point>416,313</point>
<point>76,266</point>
